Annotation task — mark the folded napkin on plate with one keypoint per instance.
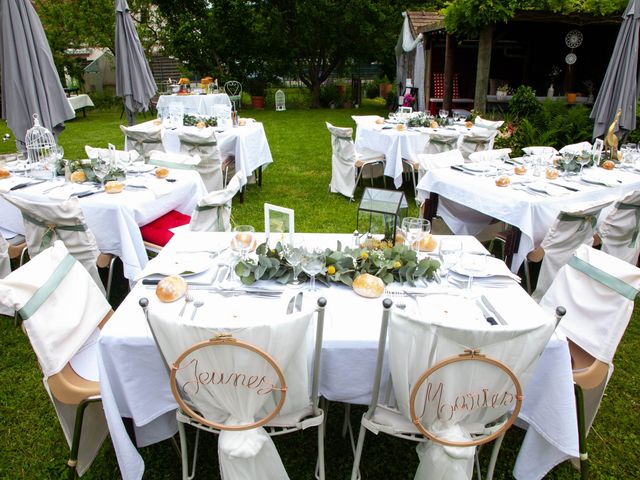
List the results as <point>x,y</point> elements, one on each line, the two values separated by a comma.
<point>156,186</point>
<point>490,155</point>
<point>63,192</point>
<point>601,177</point>
<point>548,188</point>
<point>196,266</point>
<point>576,147</point>
<point>7,184</point>
<point>493,268</point>
<point>540,151</point>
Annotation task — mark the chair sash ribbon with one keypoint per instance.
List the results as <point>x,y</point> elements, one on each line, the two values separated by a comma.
<point>199,148</point>
<point>606,279</point>
<point>47,236</point>
<point>179,166</point>
<point>591,218</point>
<point>47,288</point>
<point>221,209</point>
<point>442,141</point>
<point>636,230</point>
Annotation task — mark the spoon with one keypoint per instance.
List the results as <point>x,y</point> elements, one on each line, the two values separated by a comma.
<point>196,305</point>
<point>187,299</point>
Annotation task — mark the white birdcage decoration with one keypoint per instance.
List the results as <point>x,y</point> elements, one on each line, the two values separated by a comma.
<point>41,144</point>
<point>280,106</point>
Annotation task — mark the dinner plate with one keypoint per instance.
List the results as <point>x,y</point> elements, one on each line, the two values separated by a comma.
<point>462,269</point>
<point>184,265</point>
<point>452,310</point>
<point>140,168</point>
<point>596,179</point>
<point>18,167</point>
<point>477,167</point>
<point>549,189</point>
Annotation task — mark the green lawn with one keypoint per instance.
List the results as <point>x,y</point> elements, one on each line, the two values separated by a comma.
<point>31,442</point>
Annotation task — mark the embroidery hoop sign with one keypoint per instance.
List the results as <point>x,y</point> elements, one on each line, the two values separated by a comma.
<point>271,214</point>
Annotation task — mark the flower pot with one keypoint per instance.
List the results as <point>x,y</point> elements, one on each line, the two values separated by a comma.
<point>385,88</point>
<point>571,98</point>
<point>342,90</point>
<point>501,95</point>
<point>257,102</point>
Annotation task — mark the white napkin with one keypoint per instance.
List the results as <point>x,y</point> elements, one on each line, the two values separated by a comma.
<point>601,177</point>
<point>65,191</point>
<point>548,188</point>
<point>494,267</point>
<point>7,184</point>
<point>440,160</point>
<point>177,264</point>
<point>156,186</point>
<point>576,147</point>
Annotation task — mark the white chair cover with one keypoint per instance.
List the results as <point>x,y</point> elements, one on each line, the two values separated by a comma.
<point>343,161</point>
<point>576,147</point>
<point>540,151</point>
<point>490,124</point>
<point>366,119</point>
<point>489,155</point>
<point>433,161</point>
<point>568,231</point>
<point>173,160</point>
<point>477,140</point>
<point>443,141</point>
<point>45,222</point>
<point>619,230</point>
<point>222,112</point>
<point>203,142</point>
<point>598,291</point>
<point>122,156</point>
<point>5,261</point>
<point>244,454</point>
<point>143,138</point>
<point>415,344</point>
<point>59,328</point>
<point>213,212</point>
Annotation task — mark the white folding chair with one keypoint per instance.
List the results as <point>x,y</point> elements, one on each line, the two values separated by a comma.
<point>5,259</point>
<point>598,291</point>
<point>260,383</point>
<point>203,142</point>
<point>142,138</point>
<point>618,232</point>
<point>213,212</point>
<point>433,368</point>
<point>477,139</point>
<point>46,222</point>
<point>569,230</point>
<point>442,141</point>
<point>348,164</point>
<point>63,310</point>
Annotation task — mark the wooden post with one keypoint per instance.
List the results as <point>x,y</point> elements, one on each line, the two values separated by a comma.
<point>427,72</point>
<point>483,69</point>
<point>449,65</point>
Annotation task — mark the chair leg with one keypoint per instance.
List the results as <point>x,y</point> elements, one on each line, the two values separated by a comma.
<point>185,452</point>
<point>320,474</point>
<point>110,278</point>
<point>527,276</point>
<point>494,457</point>
<point>77,431</point>
<point>355,473</point>
<point>582,434</point>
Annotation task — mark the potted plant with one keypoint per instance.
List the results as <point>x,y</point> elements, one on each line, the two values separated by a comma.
<point>503,90</point>
<point>257,87</point>
<point>385,86</point>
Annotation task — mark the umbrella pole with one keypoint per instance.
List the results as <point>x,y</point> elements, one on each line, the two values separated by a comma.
<point>131,116</point>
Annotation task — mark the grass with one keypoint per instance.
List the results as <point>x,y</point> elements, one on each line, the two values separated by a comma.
<point>32,444</point>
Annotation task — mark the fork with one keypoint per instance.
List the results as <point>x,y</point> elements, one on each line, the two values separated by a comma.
<point>187,300</point>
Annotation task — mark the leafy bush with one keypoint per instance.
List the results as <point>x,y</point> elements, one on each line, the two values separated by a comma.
<point>524,102</point>
<point>105,99</point>
<point>329,95</point>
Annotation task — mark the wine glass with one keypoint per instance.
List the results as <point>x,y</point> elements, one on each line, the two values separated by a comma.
<point>415,229</point>
<point>566,159</point>
<point>312,263</point>
<point>473,263</point>
<point>450,251</point>
<point>242,240</point>
<point>293,252</point>
<point>583,160</point>
<point>628,151</point>
<point>442,113</point>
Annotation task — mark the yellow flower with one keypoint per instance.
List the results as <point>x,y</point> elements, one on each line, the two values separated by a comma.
<point>331,270</point>
<point>397,265</point>
<point>364,255</point>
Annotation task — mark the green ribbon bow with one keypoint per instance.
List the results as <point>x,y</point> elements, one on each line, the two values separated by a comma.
<point>47,288</point>
<point>591,218</point>
<point>47,236</point>
<point>606,279</point>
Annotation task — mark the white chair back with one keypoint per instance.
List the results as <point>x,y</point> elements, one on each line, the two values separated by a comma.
<point>123,157</point>
<point>566,234</point>
<point>477,139</point>
<point>46,222</point>
<point>442,142</point>
<point>490,155</point>
<point>343,161</point>
<point>540,151</point>
<point>213,212</point>
<point>576,147</point>
<point>5,261</point>
<point>251,390</point>
<point>180,161</point>
<point>143,138</point>
<point>203,142</point>
<point>489,124</point>
<point>620,228</point>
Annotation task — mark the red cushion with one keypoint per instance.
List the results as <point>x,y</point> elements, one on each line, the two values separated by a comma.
<point>157,232</point>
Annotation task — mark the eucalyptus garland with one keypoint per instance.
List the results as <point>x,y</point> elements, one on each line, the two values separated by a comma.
<point>398,263</point>
<point>574,165</point>
<point>86,165</point>
<point>193,120</point>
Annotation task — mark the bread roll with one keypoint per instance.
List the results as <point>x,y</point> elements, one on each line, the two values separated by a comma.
<point>427,243</point>
<point>520,169</point>
<point>400,127</point>
<point>608,165</point>
<point>434,124</point>
<point>171,288</point>
<point>4,173</point>
<point>379,120</point>
<point>551,173</point>
<point>468,124</point>
<point>113,187</point>
<point>369,286</point>
<point>78,177</point>
<point>162,172</point>
<point>503,181</point>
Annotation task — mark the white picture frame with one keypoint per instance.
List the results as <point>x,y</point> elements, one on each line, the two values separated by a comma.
<point>283,228</point>
<point>598,147</point>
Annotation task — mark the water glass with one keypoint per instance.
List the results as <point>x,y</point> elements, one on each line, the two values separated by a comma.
<point>293,253</point>
<point>312,263</point>
<point>450,252</point>
<point>414,230</point>
<point>442,113</point>
<point>242,240</point>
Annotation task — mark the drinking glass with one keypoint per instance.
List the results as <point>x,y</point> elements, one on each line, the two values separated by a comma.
<point>442,113</point>
<point>583,160</point>
<point>473,263</point>
<point>293,253</point>
<point>242,240</point>
<point>415,229</point>
<point>101,166</point>
<point>450,251</point>
<point>566,159</point>
<point>312,264</point>
<point>628,152</point>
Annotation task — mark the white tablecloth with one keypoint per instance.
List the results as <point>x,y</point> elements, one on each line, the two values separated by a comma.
<point>115,219</point>
<point>80,101</point>
<point>348,359</point>
<point>469,202</point>
<point>200,104</point>
<point>395,145</point>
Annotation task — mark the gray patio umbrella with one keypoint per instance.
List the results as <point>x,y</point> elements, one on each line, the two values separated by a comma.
<point>620,84</point>
<point>134,80</point>
<point>30,82</point>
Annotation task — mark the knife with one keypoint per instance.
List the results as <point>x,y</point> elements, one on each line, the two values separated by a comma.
<point>493,310</point>
<point>86,194</point>
<point>290,305</point>
<point>460,169</point>
<point>573,189</point>
<point>487,314</point>
<point>23,185</point>
<point>299,302</point>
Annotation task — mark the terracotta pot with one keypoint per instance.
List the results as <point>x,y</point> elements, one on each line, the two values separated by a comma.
<point>385,88</point>
<point>342,90</point>
<point>571,97</point>
<point>257,102</point>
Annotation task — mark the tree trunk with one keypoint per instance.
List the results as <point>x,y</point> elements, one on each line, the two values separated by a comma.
<point>449,67</point>
<point>483,69</point>
<point>315,93</point>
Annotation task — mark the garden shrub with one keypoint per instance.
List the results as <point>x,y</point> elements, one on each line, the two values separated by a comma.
<point>524,102</point>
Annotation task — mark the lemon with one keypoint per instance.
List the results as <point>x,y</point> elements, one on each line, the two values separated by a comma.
<point>365,255</point>
<point>397,265</point>
<point>331,270</point>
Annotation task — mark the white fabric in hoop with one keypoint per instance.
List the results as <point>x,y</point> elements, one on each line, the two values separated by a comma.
<point>343,161</point>
<point>213,212</point>
<point>60,328</point>
<point>472,394</point>
<point>244,454</point>
<point>203,142</point>
<point>620,230</point>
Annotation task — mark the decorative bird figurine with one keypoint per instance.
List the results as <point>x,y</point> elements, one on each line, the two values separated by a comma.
<point>610,139</point>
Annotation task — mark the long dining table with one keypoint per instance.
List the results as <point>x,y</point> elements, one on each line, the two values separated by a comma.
<point>468,199</point>
<point>349,349</point>
<point>114,219</point>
